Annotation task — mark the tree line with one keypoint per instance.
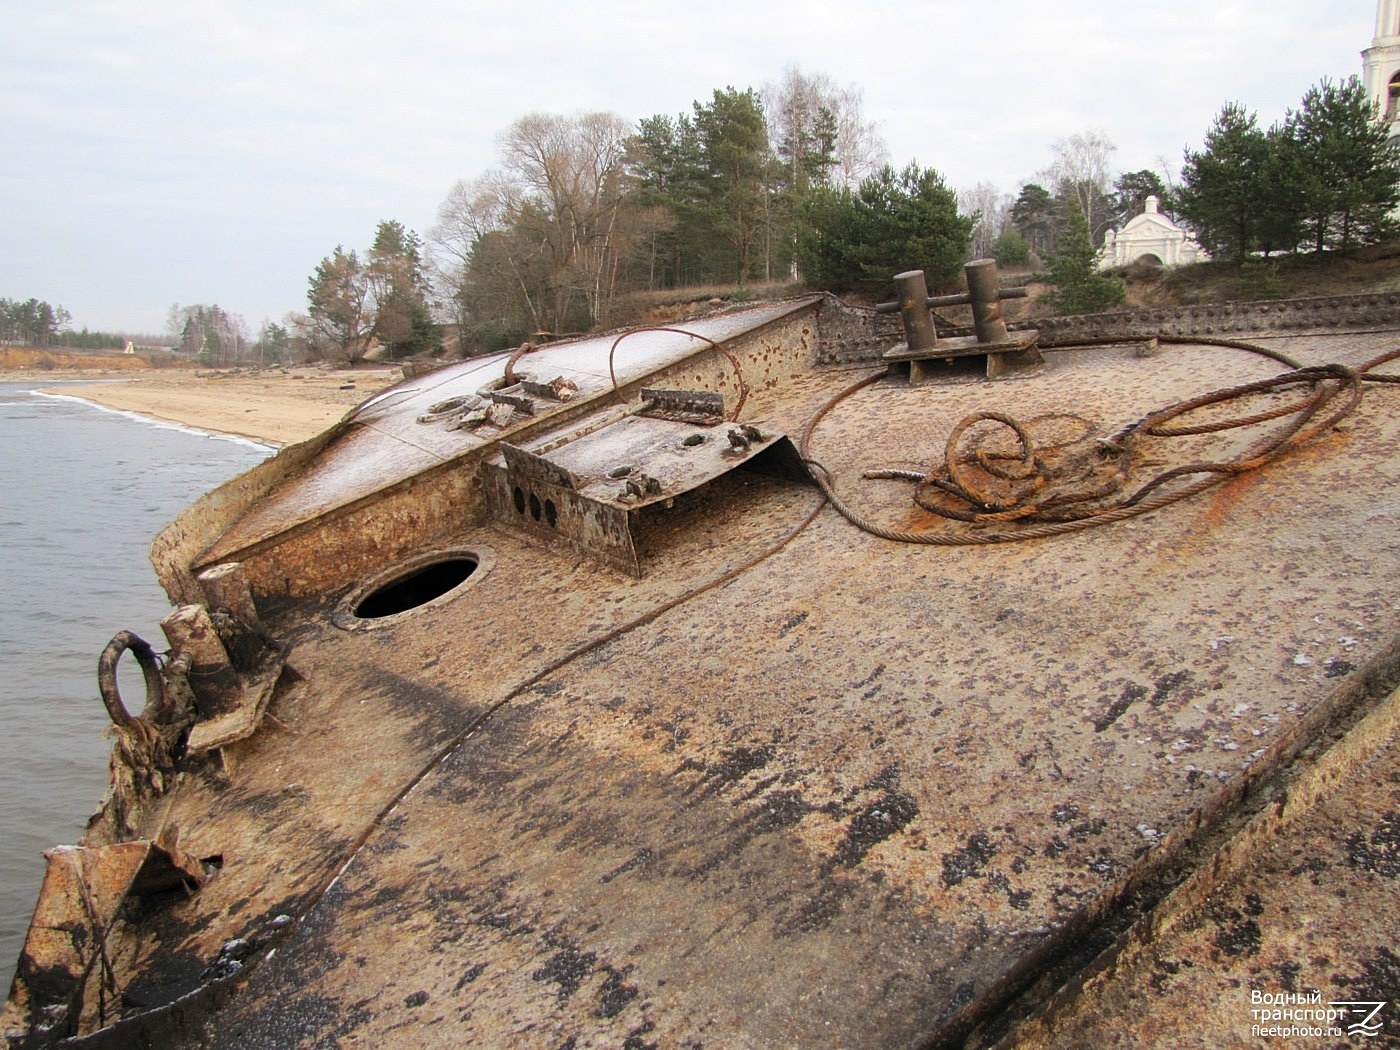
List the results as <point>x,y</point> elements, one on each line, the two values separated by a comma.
<point>792,184</point>
<point>787,184</point>
<point>32,322</point>
<point>38,323</point>
<point>1325,177</point>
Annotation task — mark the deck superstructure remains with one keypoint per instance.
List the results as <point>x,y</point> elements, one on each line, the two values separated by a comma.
<point>682,757</point>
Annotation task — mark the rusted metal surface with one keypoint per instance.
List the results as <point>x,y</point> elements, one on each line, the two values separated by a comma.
<point>796,784</point>
<point>1287,940</point>
<point>930,359</point>
<point>592,491</point>
<point>393,486</point>
<point>67,981</point>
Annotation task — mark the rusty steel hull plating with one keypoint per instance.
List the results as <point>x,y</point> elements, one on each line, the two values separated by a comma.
<point>783,782</point>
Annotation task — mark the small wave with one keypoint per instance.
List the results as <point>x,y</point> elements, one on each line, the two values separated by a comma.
<point>158,424</point>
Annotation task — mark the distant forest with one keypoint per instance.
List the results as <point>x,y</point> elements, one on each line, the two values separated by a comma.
<point>34,322</point>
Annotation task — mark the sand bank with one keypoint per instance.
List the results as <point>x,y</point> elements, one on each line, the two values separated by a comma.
<point>271,405</point>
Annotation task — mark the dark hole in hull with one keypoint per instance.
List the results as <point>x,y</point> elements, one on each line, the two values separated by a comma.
<point>415,589</point>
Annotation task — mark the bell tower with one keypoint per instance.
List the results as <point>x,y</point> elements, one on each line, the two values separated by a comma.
<point>1380,64</point>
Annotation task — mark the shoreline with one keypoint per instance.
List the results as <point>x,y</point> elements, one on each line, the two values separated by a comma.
<point>277,407</point>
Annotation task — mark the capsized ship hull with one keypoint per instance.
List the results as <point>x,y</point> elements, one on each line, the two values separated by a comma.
<point>592,722</point>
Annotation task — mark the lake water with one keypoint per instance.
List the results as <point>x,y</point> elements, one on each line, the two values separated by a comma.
<point>83,491</point>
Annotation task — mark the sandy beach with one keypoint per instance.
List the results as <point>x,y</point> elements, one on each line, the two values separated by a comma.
<point>276,406</point>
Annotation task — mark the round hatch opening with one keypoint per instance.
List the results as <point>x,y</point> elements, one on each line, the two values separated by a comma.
<point>416,588</point>
<point>427,580</point>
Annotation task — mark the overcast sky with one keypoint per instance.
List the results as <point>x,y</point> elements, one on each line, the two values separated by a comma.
<point>203,152</point>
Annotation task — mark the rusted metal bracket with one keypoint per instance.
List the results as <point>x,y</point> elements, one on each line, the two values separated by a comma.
<point>231,698</point>
<point>558,389</point>
<point>698,407</point>
<point>593,487</point>
<point>221,657</point>
<point>65,983</point>
<point>521,402</point>
<point>930,358</point>
<point>495,406</point>
<point>535,467</point>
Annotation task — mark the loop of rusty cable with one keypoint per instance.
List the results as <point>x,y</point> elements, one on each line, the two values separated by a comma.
<point>514,359</point>
<point>743,385</point>
<point>1045,507</point>
<point>960,479</point>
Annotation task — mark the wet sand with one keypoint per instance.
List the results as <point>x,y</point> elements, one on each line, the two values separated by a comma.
<point>276,406</point>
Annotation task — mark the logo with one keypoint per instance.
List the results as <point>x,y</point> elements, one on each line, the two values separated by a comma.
<point>1293,1015</point>
<point>1367,1025</point>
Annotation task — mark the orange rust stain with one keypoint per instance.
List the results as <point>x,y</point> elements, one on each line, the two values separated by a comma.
<point>916,519</point>
<point>1222,500</point>
<point>1220,506</point>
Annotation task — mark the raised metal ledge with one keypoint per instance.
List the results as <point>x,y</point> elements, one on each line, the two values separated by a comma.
<point>590,492</point>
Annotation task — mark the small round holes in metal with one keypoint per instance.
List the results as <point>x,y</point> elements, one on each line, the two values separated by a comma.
<point>535,509</point>
<point>551,514</point>
<point>620,472</point>
<point>519,496</point>
<point>429,580</point>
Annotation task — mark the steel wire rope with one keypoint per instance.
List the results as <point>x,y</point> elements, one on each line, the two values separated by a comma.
<point>440,756</point>
<point>733,363</point>
<point>1328,382</point>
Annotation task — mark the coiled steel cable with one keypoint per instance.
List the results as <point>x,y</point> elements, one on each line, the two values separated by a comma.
<point>1335,392</point>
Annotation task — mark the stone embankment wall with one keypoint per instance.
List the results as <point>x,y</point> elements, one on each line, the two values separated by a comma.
<point>1321,313</point>
<point>856,336</point>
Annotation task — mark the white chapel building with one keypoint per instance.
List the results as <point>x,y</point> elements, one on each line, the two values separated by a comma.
<point>1380,64</point>
<point>1153,236</point>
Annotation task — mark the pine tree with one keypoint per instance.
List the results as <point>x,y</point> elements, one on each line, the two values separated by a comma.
<point>1348,172</point>
<point>1222,191</point>
<point>733,137</point>
<point>1036,217</point>
<point>893,221</point>
<point>1079,286</point>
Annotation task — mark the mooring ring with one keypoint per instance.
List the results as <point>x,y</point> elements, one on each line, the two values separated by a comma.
<point>107,676</point>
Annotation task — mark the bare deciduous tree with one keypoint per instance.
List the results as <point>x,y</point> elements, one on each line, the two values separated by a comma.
<point>992,210</point>
<point>572,169</point>
<point>472,209</point>
<point>794,105</point>
<point>1080,170</point>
